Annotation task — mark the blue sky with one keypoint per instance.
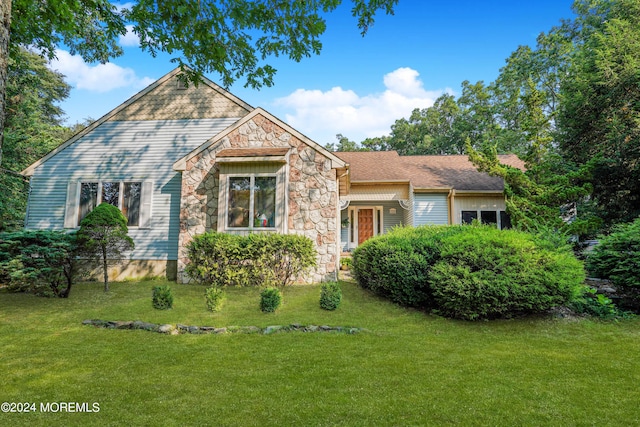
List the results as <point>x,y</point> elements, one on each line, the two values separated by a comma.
<point>358,86</point>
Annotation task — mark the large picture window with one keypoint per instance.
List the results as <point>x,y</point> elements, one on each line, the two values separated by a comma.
<point>251,202</point>
<point>124,195</point>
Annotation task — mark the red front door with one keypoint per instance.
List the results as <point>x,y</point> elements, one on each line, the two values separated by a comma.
<point>365,224</point>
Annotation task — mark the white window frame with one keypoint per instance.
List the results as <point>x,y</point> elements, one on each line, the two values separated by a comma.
<point>223,204</point>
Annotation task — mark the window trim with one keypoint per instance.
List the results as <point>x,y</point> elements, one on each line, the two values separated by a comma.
<point>223,202</point>
<point>72,206</point>
<point>479,215</point>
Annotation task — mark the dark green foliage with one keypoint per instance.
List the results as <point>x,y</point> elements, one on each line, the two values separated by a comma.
<point>103,235</point>
<point>597,305</point>
<point>214,298</point>
<point>262,259</point>
<point>468,272</point>
<point>270,300</point>
<point>396,265</point>
<point>216,259</point>
<point>617,256</point>
<point>330,296</point>
<point>32,128</point>
<point>162,297</point>
<point>485,273</point>
<point>278,259</point>
<point>40,262</point>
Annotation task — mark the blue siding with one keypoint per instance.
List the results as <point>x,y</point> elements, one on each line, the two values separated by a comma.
<point>430,209</point>
<point>144,150</point>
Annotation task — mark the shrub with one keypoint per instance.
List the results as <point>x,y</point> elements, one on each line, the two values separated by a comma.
<point>103,235</point>
<point>396,265</point>
<point>42,262</point>
<point>162,297</point>
<point>216,259</point>
<point>468,272</point>
<point>330,296</point>
<point>278,259</point>
<point>617,256</point>
<point>270,299</point>
<point>214,298</point>
<point>261,259</point>
<point>485,273</point>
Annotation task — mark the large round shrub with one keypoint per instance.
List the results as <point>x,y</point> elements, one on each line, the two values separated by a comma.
<point>617,256</point>
<point>468,272</point>
<point>396,265</point>
<point>485,273</point>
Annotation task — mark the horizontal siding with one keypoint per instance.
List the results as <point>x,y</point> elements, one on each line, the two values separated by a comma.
<point>430,209</point>
<point>141,150</point>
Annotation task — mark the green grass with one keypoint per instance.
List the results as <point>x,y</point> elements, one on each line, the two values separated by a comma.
<point>408,369</point>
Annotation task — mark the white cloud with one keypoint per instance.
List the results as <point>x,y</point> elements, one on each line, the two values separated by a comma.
<point>322,115</point>
<point>129,39</point>
<point>96,78</point>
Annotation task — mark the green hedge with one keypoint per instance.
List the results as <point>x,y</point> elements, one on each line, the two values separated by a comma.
<point>261,259</point>
<point>617,256</point>
<point>468,272</point>
<point>396,265</point>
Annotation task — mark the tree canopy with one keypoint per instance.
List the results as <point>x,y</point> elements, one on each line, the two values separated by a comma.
<point>32,128</point>
<point>234,39</point>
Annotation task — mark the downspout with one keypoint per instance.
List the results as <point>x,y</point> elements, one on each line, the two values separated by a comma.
<point>451,199</point>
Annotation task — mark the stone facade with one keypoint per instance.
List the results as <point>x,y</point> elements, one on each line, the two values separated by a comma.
<point>310,199</point>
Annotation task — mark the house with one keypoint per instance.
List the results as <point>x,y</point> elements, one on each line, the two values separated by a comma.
<point>388,190</point>
<point>179,161</point>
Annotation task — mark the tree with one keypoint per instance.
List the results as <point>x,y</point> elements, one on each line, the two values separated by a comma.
<point>599,116</point>
<point>103,235</point>
<point>344,144</point>
<point>233,39</point>
<point>32,128</point>
<point>42,262</point>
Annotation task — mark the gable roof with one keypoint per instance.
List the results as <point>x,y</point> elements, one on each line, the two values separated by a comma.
<point>116,113</point>
<point>424,172</point>
<point>336,162</point>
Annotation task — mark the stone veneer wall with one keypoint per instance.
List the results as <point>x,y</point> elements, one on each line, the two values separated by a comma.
<point>311,201</point>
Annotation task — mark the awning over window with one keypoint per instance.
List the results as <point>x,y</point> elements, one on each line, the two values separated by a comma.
<point>257,154</point>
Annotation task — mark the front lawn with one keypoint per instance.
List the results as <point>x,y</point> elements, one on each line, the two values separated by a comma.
<point>407,369</point>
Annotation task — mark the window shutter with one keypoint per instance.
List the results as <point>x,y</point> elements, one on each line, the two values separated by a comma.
<point>71,208</point>
<point>145,204</point>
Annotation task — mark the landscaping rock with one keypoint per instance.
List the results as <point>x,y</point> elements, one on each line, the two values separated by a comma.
<point>185,329</point>
<point>166,329</point>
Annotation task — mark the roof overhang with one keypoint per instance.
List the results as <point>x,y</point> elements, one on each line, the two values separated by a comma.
<point>252,155</point>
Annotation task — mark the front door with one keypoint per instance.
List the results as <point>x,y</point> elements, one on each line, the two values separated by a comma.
<point>365,224</point>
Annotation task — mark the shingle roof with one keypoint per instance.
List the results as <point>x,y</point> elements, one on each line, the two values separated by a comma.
<point>424,172</point>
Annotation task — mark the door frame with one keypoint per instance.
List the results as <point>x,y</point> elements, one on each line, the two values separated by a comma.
<point>352,231</point>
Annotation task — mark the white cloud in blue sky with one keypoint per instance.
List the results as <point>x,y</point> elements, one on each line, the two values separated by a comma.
<point>130,39</point>
<point>98,78</point>
<point>357,116</point>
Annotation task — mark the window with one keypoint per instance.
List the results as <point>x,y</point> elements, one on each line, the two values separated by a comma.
<point>124,195</point>
<point>498,218</point>
<point>489,217</point>
<point>251,202</point>
<point>469,216</point>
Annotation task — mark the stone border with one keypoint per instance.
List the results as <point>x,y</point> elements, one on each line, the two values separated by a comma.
<point>185,329</point>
